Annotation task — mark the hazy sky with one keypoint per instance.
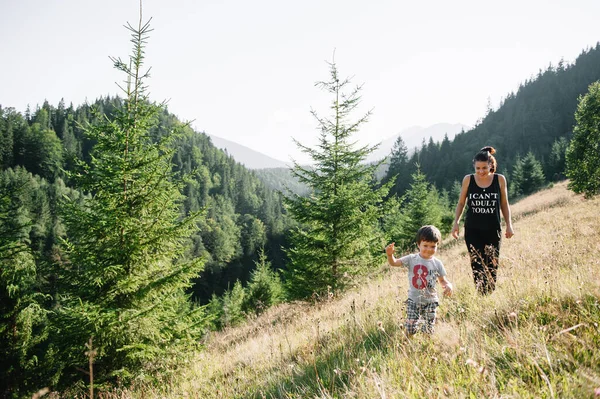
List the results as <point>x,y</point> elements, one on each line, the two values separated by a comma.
<point>245,70</point>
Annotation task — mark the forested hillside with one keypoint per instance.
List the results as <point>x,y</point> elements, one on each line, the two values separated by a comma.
<point>532,125</point>
<point>530,128</point>
<point>242,214</point>
<point>118,222</point>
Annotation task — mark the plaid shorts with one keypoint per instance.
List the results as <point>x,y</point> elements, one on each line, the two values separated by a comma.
<point>423,313</point>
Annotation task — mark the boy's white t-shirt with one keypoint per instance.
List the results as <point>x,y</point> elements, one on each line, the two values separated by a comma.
<point>422,277</point>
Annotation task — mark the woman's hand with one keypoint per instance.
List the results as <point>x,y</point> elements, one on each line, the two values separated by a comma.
<point>509,231</point>
<point>455,230</point>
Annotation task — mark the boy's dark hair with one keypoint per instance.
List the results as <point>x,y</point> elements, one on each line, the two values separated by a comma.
<point>429,233</point>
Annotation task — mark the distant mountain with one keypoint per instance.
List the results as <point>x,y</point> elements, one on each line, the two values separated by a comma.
<point>249,158</point>
<point>413,137</point>
<point>281,179</point>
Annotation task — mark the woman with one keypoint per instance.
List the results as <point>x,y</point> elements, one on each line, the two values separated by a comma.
<point>485,193</point>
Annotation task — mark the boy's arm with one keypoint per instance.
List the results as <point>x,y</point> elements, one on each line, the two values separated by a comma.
<point>446,285</point>
<point>389,251</point>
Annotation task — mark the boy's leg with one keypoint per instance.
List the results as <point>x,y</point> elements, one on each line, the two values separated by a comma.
<point>429,315</point>
<point>412,316</point>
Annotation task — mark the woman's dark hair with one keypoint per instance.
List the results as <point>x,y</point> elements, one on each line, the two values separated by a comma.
<point>486,155</point>
<point>429,233</point>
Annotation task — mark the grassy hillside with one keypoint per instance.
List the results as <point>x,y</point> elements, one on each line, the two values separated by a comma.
<point>537,336</point>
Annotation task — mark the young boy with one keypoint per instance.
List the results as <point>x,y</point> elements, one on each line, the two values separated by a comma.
<point>423,270</point>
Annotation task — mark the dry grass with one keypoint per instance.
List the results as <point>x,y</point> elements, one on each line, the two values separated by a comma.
<point>536,336</point>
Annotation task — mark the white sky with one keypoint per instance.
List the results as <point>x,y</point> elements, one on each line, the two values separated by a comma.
<point>245,70</point>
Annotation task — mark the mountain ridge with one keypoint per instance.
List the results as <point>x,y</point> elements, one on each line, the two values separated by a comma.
<point>413,137</point>
<point>248,157</point>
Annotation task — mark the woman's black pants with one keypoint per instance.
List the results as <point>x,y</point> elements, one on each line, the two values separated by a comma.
<point>484,249</point>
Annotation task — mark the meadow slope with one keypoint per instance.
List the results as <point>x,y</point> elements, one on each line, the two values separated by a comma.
<point>536,336</point>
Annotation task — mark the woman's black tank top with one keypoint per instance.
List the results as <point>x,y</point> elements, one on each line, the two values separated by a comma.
<point>483,206</point>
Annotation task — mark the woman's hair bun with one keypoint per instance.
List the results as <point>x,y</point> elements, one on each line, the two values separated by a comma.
<point>489,149</point>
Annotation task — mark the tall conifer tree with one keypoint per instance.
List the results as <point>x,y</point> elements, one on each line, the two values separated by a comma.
<point>527,175</point>
<point>583,162</point>
<point>421,205</point>
<point>338,233</point>
<point>125,282</point>
<point>399,168</point>
<point>22,317</point>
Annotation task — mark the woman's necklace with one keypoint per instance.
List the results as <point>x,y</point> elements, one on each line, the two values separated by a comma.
<point>487,185</point>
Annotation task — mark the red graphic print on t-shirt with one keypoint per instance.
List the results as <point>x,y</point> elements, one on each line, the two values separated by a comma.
<point>419,280</point>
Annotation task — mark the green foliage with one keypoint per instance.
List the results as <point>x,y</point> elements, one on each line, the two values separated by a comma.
<point>221,236</point>
<point>253,235</point>
<point>265,288</point>
<point>447,211</point>
<point>233,305</point>
<point>125,278</point>
<point>583,161</point>
<point>242,214</point>
<point>393,220</point>
<point>557,163</point>
<point>22,316</point>
<point>527,176</point>
<point>43,152</point>
<point>454,193</point>
<point>215,311</point>
<point>204,166</point>
<point>214,182</point>
<point>7,117</point>
<point>399,169</point>
<point>339,219</point>
<point>421,205</point>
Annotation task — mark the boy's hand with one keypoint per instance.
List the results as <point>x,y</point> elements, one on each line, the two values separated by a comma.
<point>448,289</point>
<point>389,250</point>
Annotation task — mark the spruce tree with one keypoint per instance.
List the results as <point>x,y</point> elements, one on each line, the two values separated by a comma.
<point>233,305</point>
<point>22,316</point>
<point>583,162</point>
<point>421,205</point>
<point>556,163</point>
<point>264,289</point>
<point>399,168</point>
<point>338,232</point>
<point>527,175</point>
<point>7,117</point>
<point>125,280</point>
